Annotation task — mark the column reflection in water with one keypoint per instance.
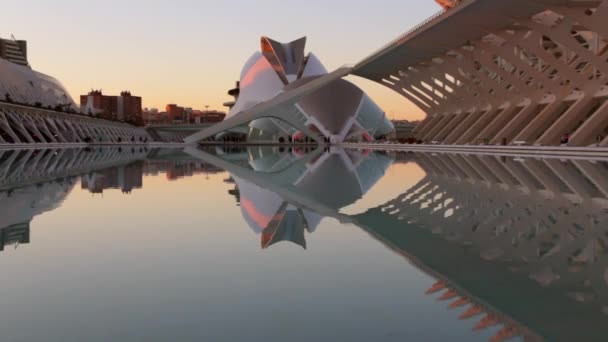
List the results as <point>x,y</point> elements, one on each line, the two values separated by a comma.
<point>518,244</point>
<point>35,181</point>
<point>521,243</point>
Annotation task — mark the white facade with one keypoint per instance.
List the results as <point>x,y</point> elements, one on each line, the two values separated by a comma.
<point>517,72</point>
<point>340,111</point>
<point>27,86</point>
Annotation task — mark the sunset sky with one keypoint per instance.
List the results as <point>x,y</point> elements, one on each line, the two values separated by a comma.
<point>191,52</point>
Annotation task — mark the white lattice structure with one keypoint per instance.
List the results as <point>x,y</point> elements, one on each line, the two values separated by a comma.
<point>496,232</point>
<point>30,166</point>
<point>525,72</point>
<point>34,106</point>
<point>496,72</point>
<point>27,125</point>
<point>493,230</point>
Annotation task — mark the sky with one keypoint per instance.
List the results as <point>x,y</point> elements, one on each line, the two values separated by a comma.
<point>191,52</point>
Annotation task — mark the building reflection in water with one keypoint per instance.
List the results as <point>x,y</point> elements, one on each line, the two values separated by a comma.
<point>20,205</point>
<point>333,179</point>
<point>522,240</point>
<point>518,244</point>
<point>125,178</point>
<point>33,182</point>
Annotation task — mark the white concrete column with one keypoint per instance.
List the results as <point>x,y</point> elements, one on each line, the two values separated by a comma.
<point>447,129</point>
<point>592,128</point>
<point>567,122</point>
<point>6,127</point>
<point>464,125</point>
<point>423,131</point>
<point>489,133</point>
<point>476,127</point>
<point>18,125</point>
<point>538,123</point>
<point>422,124</point>
<point>446,119</point>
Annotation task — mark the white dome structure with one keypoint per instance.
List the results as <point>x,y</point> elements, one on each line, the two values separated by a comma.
<point>24,85</point>
<point>338,112</point>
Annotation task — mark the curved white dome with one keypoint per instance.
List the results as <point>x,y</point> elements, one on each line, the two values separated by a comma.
<point>340,110</point>
<point>313,67</point>
<point>259,82</point>
<point>372,117</point>
<point>249,63</point>
<point>28,86</point>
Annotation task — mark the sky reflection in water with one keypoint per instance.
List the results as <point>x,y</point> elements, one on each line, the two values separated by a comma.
<point>269,244</point>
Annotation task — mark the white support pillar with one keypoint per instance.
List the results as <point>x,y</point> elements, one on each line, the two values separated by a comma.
<point>566,123</point>
<point>476,127</point>
<point>593,128</point>
<point>464,125</point>
<point>445,119</point>
<point>18,125</point>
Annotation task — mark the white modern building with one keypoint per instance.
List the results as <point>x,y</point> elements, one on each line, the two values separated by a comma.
<point>37,109</point>
<point>486,72</point>
<point>341,111</point>
<point>20,84</point>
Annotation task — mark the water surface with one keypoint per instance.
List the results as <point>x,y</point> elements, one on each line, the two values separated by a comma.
<point>270,244</point>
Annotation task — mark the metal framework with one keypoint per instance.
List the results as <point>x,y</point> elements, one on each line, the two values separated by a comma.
<point>504,72</point>
<point>26,125</point>
<point>32,166</point>
<point>541,222</point>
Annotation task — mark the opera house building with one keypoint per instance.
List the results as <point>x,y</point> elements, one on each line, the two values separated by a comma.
<point>338,112</point>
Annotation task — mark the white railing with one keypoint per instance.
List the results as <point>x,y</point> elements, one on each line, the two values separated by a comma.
<point>413,30</point>
<point>408,33</point>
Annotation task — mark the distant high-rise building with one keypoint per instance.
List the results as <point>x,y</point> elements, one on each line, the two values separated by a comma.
<point>16,234</point>
<point>20,84</point>
<point>207,116</point>
<point>126,178</point>
<point>14,51</point>
<point>97,104</point>
<point>175,113</point>
<point>153,116</point>
<point>124,107</point>
<point>129,108</point>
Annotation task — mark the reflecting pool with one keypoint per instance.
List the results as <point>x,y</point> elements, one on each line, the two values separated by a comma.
<point>294,244</point>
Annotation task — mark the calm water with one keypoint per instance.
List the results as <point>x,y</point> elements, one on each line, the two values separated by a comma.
<point>268,244</point>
